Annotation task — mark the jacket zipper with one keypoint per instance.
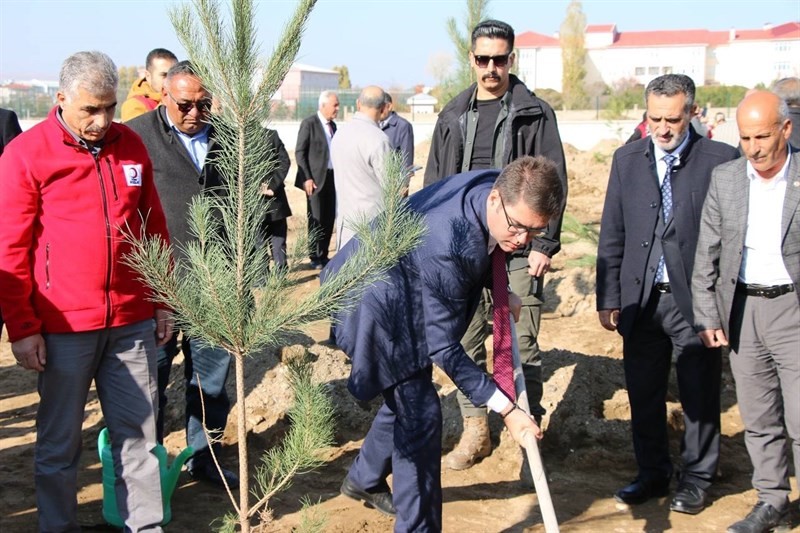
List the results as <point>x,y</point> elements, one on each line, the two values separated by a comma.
<point>113,182</point>
<point>108,239</point>
<point>47,266</point>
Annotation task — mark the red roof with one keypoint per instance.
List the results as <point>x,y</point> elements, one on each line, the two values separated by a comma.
<point>531,39</point>
<point>787,31</point>
<point>17,86</point>
<point>790,30</point>
<point>671,37</point>
<point>600,28</point>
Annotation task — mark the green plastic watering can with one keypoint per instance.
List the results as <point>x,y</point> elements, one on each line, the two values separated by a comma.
<point>169,478</point>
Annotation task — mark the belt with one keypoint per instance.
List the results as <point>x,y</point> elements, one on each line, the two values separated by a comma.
<point>662,287</point>
<point>764,291</point>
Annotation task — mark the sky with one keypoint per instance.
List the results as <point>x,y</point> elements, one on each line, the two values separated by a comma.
<point>392,43</point>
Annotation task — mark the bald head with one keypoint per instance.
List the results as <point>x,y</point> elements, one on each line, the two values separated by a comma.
<point>764,130</point>
<point>371,101</point>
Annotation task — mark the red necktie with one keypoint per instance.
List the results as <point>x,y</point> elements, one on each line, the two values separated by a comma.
<point>503,365</point>
<point>331,130</point>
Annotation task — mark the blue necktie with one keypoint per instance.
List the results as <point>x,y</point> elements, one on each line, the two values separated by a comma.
<point>666,207</point>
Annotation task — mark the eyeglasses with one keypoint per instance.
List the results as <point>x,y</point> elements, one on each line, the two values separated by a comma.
<point>499,61</point>
<point>202,105</point>
<point>519,229</point>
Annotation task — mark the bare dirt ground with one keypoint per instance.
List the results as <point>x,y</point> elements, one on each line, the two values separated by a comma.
<point>586,449</point>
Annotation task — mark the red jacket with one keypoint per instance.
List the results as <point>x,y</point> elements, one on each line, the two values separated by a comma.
<point>61,235</point>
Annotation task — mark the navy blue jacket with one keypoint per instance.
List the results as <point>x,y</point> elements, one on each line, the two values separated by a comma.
<point>419,314</point>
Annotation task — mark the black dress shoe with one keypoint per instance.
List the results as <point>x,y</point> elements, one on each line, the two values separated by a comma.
<point>381,501</point>
<point>689,499</point>
<point>208,472</point>
<point>641,490</point>
<point>762,519</point>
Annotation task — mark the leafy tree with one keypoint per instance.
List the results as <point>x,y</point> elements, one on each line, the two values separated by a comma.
<point>211,290</point>
<point>573,56</point>
<point>344,76</point>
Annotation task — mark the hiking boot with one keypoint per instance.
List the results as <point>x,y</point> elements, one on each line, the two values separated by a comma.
<point>474,444</point>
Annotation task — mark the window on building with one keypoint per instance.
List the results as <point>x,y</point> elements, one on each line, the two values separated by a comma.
<point>666,70</point>
<point>639,71</point>
<point>653,71</point>
<point>781,46</point>
<point>782,68</point>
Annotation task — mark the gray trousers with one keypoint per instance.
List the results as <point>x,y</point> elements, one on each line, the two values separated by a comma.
<point>122,362</point>
<point>765,360</point>
<point>527,332</point>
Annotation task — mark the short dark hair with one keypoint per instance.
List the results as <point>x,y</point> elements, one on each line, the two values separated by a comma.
<point>670,85</point>
<point>535,181</point>
<point>158,53</point>
<point>387,98</point>
<point>494,29</point>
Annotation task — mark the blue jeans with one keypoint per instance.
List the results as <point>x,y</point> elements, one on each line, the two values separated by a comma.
<point>205,368</point>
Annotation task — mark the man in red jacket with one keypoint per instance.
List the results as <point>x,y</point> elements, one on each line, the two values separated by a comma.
<point>70,188</point>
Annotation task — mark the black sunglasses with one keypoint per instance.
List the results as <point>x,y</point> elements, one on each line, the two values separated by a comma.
<point>499,61</point>
<point>202,105</point>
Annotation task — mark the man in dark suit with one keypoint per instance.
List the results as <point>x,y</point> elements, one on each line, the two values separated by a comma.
<point>9,128</point>
<point>315,174</point>
<point>415,318</point>
<point>181,144</point>
<point>273,228</point>
<point>648,235</point>
<point>745,286</point>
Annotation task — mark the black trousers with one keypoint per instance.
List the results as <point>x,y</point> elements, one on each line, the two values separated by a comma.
<point>321,217</point>
<point>659,335</point>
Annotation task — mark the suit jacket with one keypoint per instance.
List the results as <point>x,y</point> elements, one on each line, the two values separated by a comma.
<point>275,180</point>
<point>722,231</point>
<point>358,152</point>
<point>311,153</point>
<point>9,127</point>
<point>418,314</point>
<point>401,137</point>
<point>629,247</point>
<point>176,176</point>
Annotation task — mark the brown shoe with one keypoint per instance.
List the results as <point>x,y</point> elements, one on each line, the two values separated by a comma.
<point>474,444</point>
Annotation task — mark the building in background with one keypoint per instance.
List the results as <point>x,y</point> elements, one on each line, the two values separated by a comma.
<point>733,57</point>
<point>298,94</point>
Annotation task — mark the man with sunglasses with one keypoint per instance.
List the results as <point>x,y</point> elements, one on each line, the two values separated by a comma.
<point>180,141</point>
<point>490,124</point>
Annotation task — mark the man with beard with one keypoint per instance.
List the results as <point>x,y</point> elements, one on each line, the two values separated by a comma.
<point>648,236</point>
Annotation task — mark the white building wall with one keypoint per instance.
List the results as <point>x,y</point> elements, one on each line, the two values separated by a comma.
<point>540,68</point>
<point>745,63</point>
<point>751,63</point>
<point>645,64</point>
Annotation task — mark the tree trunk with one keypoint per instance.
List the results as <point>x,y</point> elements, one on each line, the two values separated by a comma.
<point>244,481</point>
